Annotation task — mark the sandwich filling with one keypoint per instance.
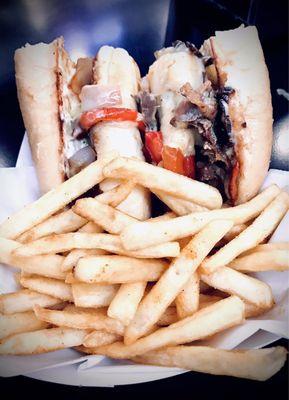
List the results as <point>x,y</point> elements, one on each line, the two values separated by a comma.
<point>77,152</point>
<point>183,114</point>
<point>188,121</point>
<point>82,105</point>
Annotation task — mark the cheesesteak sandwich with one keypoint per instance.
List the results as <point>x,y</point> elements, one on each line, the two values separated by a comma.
<point>214,112</point>
<point>48,107</point>
<point>74,113</point>
<point>206,113</point>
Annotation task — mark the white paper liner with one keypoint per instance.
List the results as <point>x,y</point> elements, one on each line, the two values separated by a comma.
<point>19,187</point>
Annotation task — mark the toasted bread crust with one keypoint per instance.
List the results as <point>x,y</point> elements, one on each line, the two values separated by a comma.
<point>36,79</point>
<point>240,64</point>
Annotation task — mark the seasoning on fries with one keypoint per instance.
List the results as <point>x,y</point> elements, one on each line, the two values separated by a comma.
<point>170,182</point>
<point>42,341</point>
<point>25,300</point>
<point>118,269</point>
<point>206,322</point>
<point>144,234</point>
<point>80,319</point>
<point>93,295</point>
<point>11,324</point>
<point>174,279</point>
<point>104,241</point>
<point>49,286</point>
<point>250,364</point>
<point>101,281</point>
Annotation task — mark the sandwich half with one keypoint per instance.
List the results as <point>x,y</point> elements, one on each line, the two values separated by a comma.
<point>214,112</point>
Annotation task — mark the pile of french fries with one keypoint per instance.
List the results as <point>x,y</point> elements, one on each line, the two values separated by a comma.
<point>100,281</point>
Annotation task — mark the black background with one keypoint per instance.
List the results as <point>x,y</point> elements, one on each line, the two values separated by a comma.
<point>142,26</point>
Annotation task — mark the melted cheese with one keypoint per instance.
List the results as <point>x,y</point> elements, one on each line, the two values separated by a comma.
<point>172,69</point>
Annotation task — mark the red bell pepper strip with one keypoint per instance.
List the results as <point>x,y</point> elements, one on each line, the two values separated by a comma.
<point>92,117</point>
<point>173,159</point>
<point>141,125</point>
<point>154,145</point>
<point>189,166</point>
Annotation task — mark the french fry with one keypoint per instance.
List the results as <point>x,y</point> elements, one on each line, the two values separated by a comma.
<point>115,196</point>
<point>258,364</point>
<point>235,231</point>
<point>250,309</point>
<point>112,197</point>
<point>7,247</point>
<point>53,201</point>
<point>174,279</point>
<point>78,240</point>
<point>112,220</point>
<point>63,222</point>
<point>80,319</point>
<point>205,300</point>
<point>121,308</point>
<point>164,250</point>
<point>24,300</point>
<point>121,287</point>
<point>90,227</point>
<point>206,322</point>
<point>49,286</point>
<point>124,305</point>
<point>68,221</point>
<point>100,338</point>
<point>42,341</point>
<point>261,228</point>
<point>187,302</point>
<point>46,265</point>
<point>170,316</point>
<point>267,247</point>
<point>158,178</point>
<point>246,287</point>
<point>276,260</point>
<point>70,261</point>
<point>64,242</point>
<point>113,244</point>
<point>144,234</point>
<point>93,295</point>
<point>118,269</point>
<point>179,206</point>
<point>19,322</point>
